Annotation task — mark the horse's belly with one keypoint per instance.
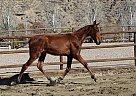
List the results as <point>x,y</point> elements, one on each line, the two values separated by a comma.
<point>58,46</point>
<point>58,51</point>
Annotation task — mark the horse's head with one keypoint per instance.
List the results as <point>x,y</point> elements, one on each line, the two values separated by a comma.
<point>95,34</point>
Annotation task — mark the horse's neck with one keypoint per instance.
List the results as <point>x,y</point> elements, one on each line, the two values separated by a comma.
<point>82,33</point>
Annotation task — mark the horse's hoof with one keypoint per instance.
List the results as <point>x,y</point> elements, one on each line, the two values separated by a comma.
<point>52,83</point>
<point>58,81</point>
<point>93,77</point>
<point>13,83</point>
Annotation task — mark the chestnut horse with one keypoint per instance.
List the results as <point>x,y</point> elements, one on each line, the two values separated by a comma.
<point>61,44</point>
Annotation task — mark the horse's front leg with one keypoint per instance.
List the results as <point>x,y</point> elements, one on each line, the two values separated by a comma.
<point>69,62</point>
<point>82,61</point>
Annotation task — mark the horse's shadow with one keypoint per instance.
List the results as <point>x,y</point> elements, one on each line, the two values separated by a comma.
<point>25,79</point>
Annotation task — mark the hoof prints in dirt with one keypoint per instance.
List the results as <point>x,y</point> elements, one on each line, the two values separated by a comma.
<point>112,90</point>
<point>78,85</point>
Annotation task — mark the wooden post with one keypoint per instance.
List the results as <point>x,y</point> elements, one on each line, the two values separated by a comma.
<point>135,47</point>
<point>61,61</point>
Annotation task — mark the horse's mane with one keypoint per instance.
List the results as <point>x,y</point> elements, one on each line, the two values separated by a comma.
<point>83,28</point>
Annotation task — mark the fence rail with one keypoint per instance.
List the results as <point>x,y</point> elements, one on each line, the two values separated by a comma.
<point>29,36</point>
<point>74,62</point>
<point>85,47</point>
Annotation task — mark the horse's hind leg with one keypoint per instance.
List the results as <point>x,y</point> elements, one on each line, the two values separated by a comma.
<point>33,56</point>
<point>24,67</point>
<point>40,65</point>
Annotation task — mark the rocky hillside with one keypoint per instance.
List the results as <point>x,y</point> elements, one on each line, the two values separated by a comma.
<point>64,13</point>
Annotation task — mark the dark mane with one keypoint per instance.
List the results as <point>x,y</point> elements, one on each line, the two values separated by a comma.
<point>85,30</point>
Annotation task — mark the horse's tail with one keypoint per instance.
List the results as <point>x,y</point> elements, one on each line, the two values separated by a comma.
<point>17,47</point>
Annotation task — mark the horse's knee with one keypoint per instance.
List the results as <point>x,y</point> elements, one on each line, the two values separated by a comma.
<point>40,65</point>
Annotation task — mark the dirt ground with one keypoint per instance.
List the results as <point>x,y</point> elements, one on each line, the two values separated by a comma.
<point>117,81</point>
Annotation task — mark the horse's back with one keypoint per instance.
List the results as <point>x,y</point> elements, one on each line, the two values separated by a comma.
<point>58,44</point>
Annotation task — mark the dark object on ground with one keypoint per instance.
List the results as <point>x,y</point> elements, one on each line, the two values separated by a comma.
<point>25,79</point>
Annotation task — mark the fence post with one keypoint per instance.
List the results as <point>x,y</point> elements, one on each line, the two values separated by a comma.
<point>61,61</point>
<point>135,46</point>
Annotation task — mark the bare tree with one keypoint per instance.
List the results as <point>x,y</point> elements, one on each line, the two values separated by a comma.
<point>7,11</point>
